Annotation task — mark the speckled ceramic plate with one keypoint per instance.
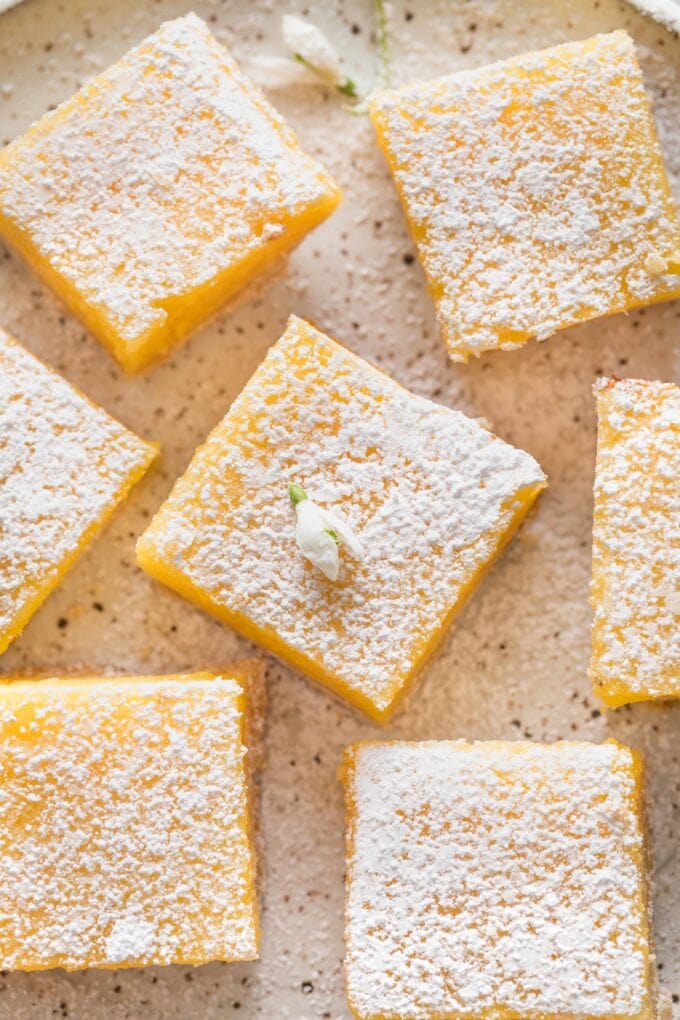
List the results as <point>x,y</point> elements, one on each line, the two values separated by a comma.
<point>515,662</point>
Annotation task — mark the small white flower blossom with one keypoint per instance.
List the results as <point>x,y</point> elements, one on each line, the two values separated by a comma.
<point>311,48</point>
<point>313,535</point>
<point>320,533</point>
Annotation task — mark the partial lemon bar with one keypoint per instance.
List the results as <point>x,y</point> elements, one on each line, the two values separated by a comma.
<point>126,820</point>
<point>635,588</point>
<point>158,191</point>
<point>535,192</point>
<point>65,465</point>
<point>496,879</point>
<point>430,495</point>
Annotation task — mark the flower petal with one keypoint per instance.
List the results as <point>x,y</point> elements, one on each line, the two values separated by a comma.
<point>345,534</point>
<point>315,543</point>
<point>309,43</point>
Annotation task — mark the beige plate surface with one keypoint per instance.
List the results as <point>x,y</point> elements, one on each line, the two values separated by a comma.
<point>515,663</point>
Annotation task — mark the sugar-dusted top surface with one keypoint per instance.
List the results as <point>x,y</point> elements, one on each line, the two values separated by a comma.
<point>636,539</point>
<point>493,876</point>
<point>166,169</point>
<point>535,191</point>
<point>63,464</point>
<point>428,492</point>
<point>123,823</point>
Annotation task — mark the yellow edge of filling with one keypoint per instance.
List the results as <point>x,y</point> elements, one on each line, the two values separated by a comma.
<point>173,577</point>
<point>526,499</point>
<point>249,674</point>
<point>642,860</point>
<point>615,693</point>
<point>462,355</point>
<point>186,311</point>
<point>52,578</point>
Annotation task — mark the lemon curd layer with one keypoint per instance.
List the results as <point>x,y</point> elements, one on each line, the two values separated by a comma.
<point>635,589</point>
<point>430,494</point>
<point>64,467</point>
<point>496,879</point>
<point>158,191</point>
<point>126,820</point>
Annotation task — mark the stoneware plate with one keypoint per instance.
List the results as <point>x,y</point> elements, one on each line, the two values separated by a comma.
<point>515,663</point>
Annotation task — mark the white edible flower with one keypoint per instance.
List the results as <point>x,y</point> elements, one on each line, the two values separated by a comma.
<point>320,533</point>
<point>310,47</point>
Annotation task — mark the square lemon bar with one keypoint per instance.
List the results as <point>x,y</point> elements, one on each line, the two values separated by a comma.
<point>431,496</point>
<point>635,589</point>
<point>496,879</point>
<point>64,467</point>
<point>158,191</point>
<point>126,820</point>
<point>535,192</point>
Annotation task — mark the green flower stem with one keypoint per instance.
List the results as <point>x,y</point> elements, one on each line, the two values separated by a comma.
<point>348,88</point>
<point>382,76</point>
<point>383,46</point>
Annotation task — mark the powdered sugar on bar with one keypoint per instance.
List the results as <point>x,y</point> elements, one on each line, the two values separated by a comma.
<point>495,879</point>
<point>535,192</point>
<point>64,464</point>
<point>636,541</point>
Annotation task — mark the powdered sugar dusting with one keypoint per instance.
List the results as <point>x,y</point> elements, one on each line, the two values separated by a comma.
<point>64,464</point>
<point>164,171</point>
<point>535,191</point>
<point>491,878</point>
<point>124,835</point>
<point>131,938</point>
<point>636,541</point>
<point>428,493</point>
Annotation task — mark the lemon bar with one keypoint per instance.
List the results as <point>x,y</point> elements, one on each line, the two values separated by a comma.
<point>635,589</point>
<point>158,191</point>
<point>431,496</point>
<point>64,466</point>
<point>535,192</point>
<point>126,820</point>
<point>496,879</point>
